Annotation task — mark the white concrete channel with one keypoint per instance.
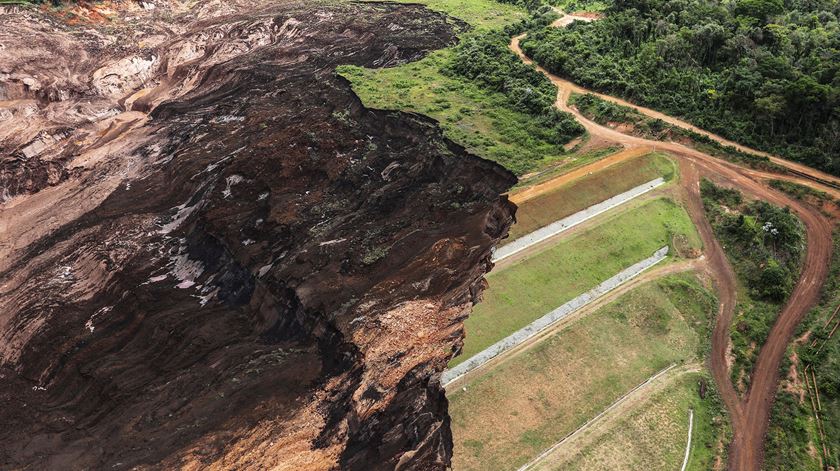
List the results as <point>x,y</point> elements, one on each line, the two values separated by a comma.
<point>688,444</point>
<point>552,317</point>
<point>569,222</point>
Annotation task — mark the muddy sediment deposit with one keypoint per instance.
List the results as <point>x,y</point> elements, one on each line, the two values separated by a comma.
<point>212,256</point>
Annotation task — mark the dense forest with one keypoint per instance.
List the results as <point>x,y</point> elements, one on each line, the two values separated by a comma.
<point>761,72</point>
<point>486,59</point>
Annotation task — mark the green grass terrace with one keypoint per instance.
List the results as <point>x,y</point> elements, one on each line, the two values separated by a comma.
<point>528,402</point>
<point>532,287</point>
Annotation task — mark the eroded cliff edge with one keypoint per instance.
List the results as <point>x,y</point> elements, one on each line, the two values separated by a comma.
<point>212,256</point>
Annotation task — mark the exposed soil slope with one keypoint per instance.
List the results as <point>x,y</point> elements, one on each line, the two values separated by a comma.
<point>214,257</point>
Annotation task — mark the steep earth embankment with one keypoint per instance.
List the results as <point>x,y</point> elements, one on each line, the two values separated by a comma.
<point>212,256</point>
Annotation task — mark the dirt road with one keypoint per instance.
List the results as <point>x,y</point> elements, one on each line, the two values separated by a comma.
<point>566,88</point>
<point>724,277</point>
<point>750,416</point>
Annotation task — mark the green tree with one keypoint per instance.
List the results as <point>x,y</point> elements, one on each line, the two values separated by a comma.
<point>761,10</point>
<point>774,282</point>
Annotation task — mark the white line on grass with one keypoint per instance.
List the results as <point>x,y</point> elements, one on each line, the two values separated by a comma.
<point>569,222</point>
<point>594,419</point>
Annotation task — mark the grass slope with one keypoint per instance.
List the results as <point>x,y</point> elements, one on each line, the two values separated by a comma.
<point>529,289</point>
<point>482,120</point>
<point>793,438</point>
<point>653,435</point>
<point>477,119</point>
<point>591,189</point>
<point>534,399</point>
<point>480,14</point>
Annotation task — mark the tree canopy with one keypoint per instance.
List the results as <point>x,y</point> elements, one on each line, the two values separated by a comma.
<point>762,72</point>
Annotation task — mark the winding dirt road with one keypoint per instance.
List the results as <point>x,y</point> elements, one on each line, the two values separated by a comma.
<point>566,88</point>
<point>750,415</point>
<point>724,277</point>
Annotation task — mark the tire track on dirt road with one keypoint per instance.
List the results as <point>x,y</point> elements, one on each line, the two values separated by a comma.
<point>724,276</point>
<point>750,416</point>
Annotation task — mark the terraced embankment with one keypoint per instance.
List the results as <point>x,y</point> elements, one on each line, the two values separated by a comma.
<point>558,227</point>
<point>525,290</point>
<point>527,402</point>
<point>538,326</point>
<point>542,204</point>
<point>213,256</point>
<point>750,416</point>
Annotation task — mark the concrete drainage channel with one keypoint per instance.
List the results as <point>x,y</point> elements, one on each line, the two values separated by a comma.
<point>569,222</point>
<point>546,321</point>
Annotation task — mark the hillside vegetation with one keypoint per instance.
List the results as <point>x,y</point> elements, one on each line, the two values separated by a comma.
<point>484,97</point>
<point>765,245</point>
<point>761,72</point>
<point>510,414</point>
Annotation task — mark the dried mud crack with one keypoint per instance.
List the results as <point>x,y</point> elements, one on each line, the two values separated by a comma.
<point>212,256</point>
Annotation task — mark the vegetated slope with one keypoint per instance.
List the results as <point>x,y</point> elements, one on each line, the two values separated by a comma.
<point>214,257</point>
<point>530,288</point>
<point>588,190</point>
<point>484,96</point>
<point>652,434</point>
<point>748,437</point>
<point>765,245</point>
<point>804,431</point>
<point>762,73</point>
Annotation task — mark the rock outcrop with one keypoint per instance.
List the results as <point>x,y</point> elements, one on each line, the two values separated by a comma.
<point>212,256</point>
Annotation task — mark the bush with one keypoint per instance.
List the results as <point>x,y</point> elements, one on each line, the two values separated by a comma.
<point>773,283</point>
<point>726,196</point>
<point>486,59</point>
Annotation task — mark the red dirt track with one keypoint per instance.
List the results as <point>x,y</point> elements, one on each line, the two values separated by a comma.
<point>750,415</point>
